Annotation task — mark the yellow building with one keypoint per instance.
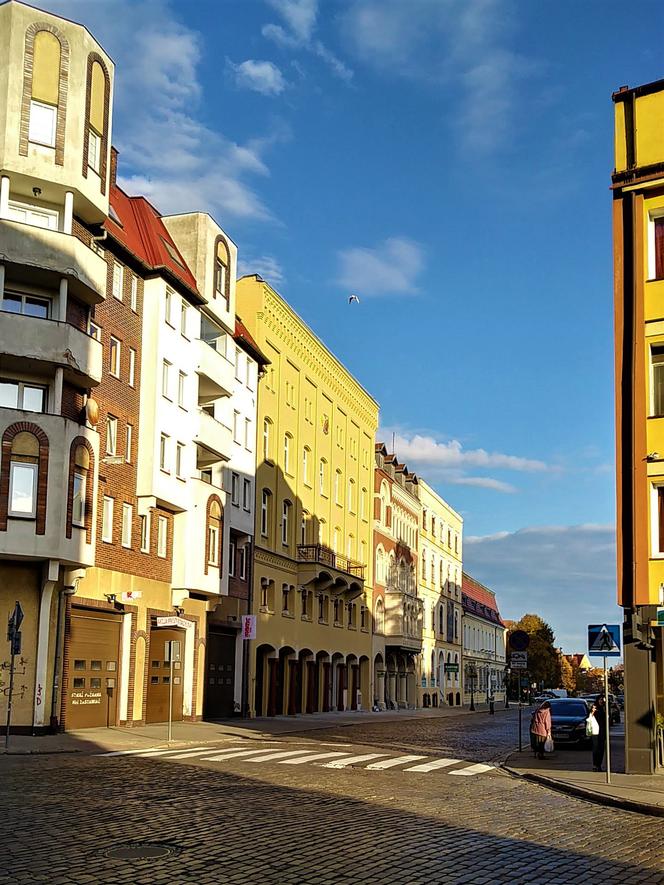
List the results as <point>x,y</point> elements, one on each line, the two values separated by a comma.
<point>638,235</point>
<point>312,566</point>
<point>441,568</point>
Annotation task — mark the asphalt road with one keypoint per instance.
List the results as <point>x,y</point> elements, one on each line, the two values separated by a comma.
<point>315,814</point>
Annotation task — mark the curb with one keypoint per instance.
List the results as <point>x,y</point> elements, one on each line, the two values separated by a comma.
<point>37,752</point>
<point>587,795</point>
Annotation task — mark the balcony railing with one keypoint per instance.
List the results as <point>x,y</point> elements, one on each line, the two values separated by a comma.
<point>325,556</point>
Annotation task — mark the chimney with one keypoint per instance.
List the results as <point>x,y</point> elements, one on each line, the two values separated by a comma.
<point>114,166</point>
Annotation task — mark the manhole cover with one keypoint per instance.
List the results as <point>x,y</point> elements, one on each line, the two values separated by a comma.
<point>139,851</point>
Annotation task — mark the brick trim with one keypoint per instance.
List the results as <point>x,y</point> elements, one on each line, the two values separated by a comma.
<point>227,284</point>
<point>63,87</point>
<point>66,638</point>
<point>213,499</point>
<point>89,488</point>
<point>42,473</point>
<point>92,58</point>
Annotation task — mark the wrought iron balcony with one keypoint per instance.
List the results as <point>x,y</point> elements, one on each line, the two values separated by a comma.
<point>323,555</point>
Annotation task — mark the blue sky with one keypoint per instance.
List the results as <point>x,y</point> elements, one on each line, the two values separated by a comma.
<point>449,162</point>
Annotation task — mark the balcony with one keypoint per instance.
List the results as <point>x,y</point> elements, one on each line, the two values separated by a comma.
<point>45,253</point>
<point>403,620</point>
<point>214,439</point>
<point>27,339</point>
<point>326,571</point>
<point>20,541</point>
<point>216,373</point>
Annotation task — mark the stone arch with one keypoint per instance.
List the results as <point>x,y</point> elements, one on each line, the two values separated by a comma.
<point>8,437</point>
<point>78,442</point>
<point>93,59</point>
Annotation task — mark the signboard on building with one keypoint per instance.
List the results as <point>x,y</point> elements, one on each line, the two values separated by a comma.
<point>451,668</point>
<point>130,595</point>
<point>519,660</point>
<point>604,640</point>
<point>248,626</point>
<point>174,621</point>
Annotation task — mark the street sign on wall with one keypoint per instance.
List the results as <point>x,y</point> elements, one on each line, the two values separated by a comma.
<point>248,626</point>
<point>604,640</point>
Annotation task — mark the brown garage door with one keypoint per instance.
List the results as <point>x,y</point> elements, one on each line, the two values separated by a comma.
<point>159,676</point>
<point>94,663</point>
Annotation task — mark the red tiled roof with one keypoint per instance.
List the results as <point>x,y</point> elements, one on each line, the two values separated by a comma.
<point>479,600</point>
<point>243,335</point>
<point>142,232</point>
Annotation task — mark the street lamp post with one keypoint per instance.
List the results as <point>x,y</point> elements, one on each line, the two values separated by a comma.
<point>507,685</point>
<point>472,675</point>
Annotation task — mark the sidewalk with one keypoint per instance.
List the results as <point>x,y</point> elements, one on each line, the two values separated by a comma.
<point>184,733</point>
<point>570,771</point>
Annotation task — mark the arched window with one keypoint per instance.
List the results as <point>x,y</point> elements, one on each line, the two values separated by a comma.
<point>285,522</point>
<point>213,533</point>
<point>265,512</point>
<point>337,487</point>
<point>306,465</point>
<point>288,445</point>
<point>351,495</point>
<point>336,539</point>
<point>363,504</point>
<point>321,531</point>
<point>441,618</point>
<point>322,477</point>
<point>423,576</point>
<point>304,528</point>
<point>222,267</point>
<point>380,565</point>
<point>350,546</point>
<point>45,84</point>
<point>379,619</point>
<point>433,568</point>
<point>97,95</point>
<point>267,440</point>
<point>80,488</point>
<point>24,475</point>
<point>363,553</point>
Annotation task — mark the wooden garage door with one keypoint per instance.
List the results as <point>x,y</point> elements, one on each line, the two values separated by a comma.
<point>94,663</point>
<point>220,682</point>
<point>159,676</point>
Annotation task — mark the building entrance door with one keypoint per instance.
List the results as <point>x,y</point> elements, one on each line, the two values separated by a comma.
<point>220,683</point>
<point>159,675</point>
<point>94,660</point>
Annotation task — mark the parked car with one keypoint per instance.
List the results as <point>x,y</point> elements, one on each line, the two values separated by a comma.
<point>614,706</point>
<point>568,721</point>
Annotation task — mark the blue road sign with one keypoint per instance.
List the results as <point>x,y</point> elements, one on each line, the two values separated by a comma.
<point>604,640</point>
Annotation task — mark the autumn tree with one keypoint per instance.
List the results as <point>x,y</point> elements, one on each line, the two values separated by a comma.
<point>567,679</point>
<point>543,658</point>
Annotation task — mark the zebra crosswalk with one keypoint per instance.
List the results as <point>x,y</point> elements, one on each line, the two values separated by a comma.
<point>331,759</point>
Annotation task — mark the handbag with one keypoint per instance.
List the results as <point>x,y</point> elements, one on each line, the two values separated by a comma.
<point>589,728</point>
<point>548,744</point>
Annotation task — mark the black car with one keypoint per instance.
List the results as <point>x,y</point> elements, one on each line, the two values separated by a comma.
<point>568,721</point>
<point>614,707</point>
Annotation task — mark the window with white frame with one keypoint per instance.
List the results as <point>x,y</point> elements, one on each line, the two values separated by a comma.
<point>37,216</point>
<point>265,512</point>
<point>267,439</point>
<point>248,434</point>
<point>656,245</point>
<point>111,435</point>
<point>133,293</point>
<point>337,487</point>
<point>238,364</point>
<point>351,495</point>
<point>246,494</point>
<point>235,488</point>
<point>166,379</point>
<point>28,305</point>
<point>183,318</point>
<point>288,440</point>
<point>242,563</point>
<point>23,489</point>
<point>78,500</point>
<point>21,395</point>
<point>232,554</point>
<point>322,477</point>
<point>163,451</point>
<point>132,367</point>
<point>94,151</point>
<point>168,305</point>
<point>162,537</point>
<point>107,520</point>
<point>115,351</point>
<point>42,124</point>
<point>285,522</point>
<point>236,427</point>
<point>129,441</point>
<point>145,533</point>
<point>182,389</point>
<point>657,520</point>
<point>213,545</point>
<point>657,380</point>
<point>179,459</point>
<point>127,516</point>
<point>94,330</point>
<point>118,280</point>
<point>306,465</point>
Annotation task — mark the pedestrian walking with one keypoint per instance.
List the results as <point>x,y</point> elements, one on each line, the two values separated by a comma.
<point>540,728</point>
<point>596,729</point>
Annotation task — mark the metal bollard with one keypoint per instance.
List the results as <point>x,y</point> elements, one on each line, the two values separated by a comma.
<point>491,707</point>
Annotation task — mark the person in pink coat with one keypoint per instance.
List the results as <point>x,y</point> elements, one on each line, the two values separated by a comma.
<point>540,728</point>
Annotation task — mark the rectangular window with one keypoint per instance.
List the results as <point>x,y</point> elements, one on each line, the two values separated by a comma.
<point>231,559</point>
<point>168,307</point>
<point>285,515</point>
<point>129,440</point>
<point>111,435</point>
<point>162,537</point>
<point>656,268</point>
<point>134,293</point>
<point>238,369</point>
<point>115,351</point>
<point>657,379</point>
<point>18,395</point>
<point>22,489</point>
<point>236,427</point>
<point>94,330</point>
<point>127,515</point>
<point>107,520</point>
<point>28,305</point>
<point>179,460</point>
<point>246,494</point>
<point>235,488</point>
<point>78,500</point>
<point>118,280</point>
<point>132,367</point>
<point>166,379</point>
<point>183,319</point>
<point>43,118</point>
<point>182,388</point>
<point>213,545</point>
<point>264,512</point>
<point>94,151</point>
<point>220,278</point>
<point>145,533</point>
<point>247,434</point>
<point>242,563</point>
<point>163,451</point>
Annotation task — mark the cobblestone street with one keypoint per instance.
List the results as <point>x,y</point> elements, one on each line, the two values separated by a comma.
<point>228,821</point>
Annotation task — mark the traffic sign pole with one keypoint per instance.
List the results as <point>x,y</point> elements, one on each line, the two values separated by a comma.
<point>608,723</point>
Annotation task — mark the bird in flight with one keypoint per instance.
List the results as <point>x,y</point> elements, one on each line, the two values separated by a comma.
<point>353,298</point>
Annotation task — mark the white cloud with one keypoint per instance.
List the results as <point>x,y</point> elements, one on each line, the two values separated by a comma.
<point>390,268</point>
<point>259,76</point>
<point>566,574</point>
<point>265,266</point>
<point>300,19</point>
<point>428,452</point>
<point>484,482</point>
<point>167,152</point>
<point>449,45</point>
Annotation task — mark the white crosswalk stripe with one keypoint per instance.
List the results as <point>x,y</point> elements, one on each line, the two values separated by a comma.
<point>432,766</point>
<point>141,752</point>
<point>280,755</point>
<point>478,768</point>
<point>390,763</point>
<point>233,754</point>
<point>312,757</point>
<point>200,751</point>
<point>342,763</point>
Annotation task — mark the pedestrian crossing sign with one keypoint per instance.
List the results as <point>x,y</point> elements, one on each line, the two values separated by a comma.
<point>604,640</point>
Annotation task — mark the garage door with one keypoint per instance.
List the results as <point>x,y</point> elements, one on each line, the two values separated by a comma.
<point>159,675</point>
<point>94,661</point>
<point>220,682</point>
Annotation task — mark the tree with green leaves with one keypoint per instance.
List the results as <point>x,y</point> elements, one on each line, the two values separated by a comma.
<point>543,659</point>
